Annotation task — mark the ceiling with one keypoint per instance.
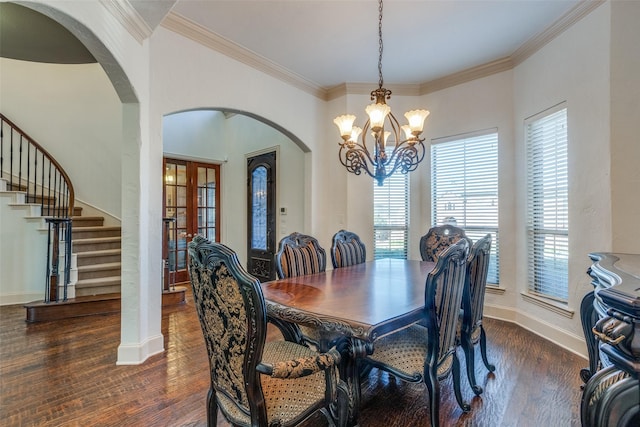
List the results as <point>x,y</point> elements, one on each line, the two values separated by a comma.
<point>331,42</point>
<point>334,42</point>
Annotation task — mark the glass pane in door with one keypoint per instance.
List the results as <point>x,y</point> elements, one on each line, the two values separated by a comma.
<point>181,217</point>
<point>259,211</point>
<point>206,190</point>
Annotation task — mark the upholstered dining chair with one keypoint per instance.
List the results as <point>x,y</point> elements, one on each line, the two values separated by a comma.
<point>428,354</point>
<point>472,331</point>
<point>347,249</point>
<point>439,238</point>
<point>254,382</point>
<point>299,254</point>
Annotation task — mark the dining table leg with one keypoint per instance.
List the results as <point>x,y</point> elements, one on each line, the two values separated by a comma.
<point>352,349</point>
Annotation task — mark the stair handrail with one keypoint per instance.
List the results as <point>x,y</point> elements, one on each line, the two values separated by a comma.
<point>62,190</point>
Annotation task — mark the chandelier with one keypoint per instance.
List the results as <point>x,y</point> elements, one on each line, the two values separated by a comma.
<point>381,162</point>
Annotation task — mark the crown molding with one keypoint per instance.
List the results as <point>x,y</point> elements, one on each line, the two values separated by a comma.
<point>537,42</point>
<point>129,18</point>
<point>191,30</point>
<point>366,88</point>
<point>467,75</point>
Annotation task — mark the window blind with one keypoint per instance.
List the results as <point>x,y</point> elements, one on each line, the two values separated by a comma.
<point>391,217</point>
<point>464,188</point>
<point>547,204</point>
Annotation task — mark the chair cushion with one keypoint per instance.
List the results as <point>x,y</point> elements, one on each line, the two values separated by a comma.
<point>285,399</point>
<point>349,253</point>
<point>406,350</point>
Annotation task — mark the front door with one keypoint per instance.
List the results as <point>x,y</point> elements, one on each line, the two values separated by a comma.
<point>261,208</point>
<point>191,206</point>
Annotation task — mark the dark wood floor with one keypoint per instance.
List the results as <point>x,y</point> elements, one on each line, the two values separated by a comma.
<point>65,374</point>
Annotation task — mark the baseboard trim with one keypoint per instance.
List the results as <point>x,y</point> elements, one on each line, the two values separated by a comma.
<point>564,339</point>
<point>136,354</point>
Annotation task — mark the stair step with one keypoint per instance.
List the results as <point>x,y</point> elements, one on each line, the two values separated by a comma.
<point>87,221</point>
<point>94,231</point>
<point>93,271</point>
<point>98,257</point>
<point>100,281</point>
<point>97,286</point>
<point>96,244</point>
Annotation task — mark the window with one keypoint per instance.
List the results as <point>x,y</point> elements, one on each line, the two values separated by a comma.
<point>547,203</point>
<point>391,217</point>
<point>464,187</point>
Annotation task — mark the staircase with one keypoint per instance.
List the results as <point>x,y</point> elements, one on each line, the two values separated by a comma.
<point>96,247</point>
<point>34,182</point>
<point>97,250</point>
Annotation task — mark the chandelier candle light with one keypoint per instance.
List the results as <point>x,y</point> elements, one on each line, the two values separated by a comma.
<point>406,154</point>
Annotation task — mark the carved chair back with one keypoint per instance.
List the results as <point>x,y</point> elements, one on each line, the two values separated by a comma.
<point>231,309</point>
<point>477,270</point>
<point>299,254</point>
<point>347,249</point>
<point>438,239</point>
<point>443,299</point>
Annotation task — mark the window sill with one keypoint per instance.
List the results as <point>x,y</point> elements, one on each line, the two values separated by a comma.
<point>497,290</point>
<point>553,306</point>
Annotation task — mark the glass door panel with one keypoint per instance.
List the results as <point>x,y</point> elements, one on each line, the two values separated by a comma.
<point>207,202</point>
<point>261,209</point>
<point>191,199</point>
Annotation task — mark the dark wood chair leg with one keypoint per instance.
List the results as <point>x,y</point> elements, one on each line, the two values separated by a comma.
<point>456,384</point>
<point>483,350</point>
<point>433,387</point>
<point>470,359</point>
<point>342,415</point>
<point>212,409</point>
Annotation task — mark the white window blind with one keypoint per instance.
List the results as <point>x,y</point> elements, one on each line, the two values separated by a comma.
<point>391,217</point>
<point>464,188</point>
<point>547,204</point>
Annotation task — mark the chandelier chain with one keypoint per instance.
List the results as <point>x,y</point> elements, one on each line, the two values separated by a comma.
<point>380,79</point>
<point>401,154</point>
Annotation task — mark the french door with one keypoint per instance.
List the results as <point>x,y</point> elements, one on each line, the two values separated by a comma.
<point>261,217</point>
<point>191,205</point>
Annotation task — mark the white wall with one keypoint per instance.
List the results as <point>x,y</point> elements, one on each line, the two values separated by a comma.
<point>573,68</point>
<point>625,126</point>
<point>209,80</point>
<point>23,250</point>
<point>208,136</point>
<point>74,113</point>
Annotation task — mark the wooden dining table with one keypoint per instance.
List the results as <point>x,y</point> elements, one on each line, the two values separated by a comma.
<point>351,307</point>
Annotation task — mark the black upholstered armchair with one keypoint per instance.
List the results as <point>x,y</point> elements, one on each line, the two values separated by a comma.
<point>472,330</point>
<point>254,382</point>
<point>347,249</point>
<point>438,239</point>
<point>428,354</point>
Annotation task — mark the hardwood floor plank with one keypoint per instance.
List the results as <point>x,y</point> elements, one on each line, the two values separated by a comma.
<point>65,373</point>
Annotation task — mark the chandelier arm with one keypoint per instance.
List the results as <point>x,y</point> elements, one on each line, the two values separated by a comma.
<point>354,160</point>
<point>409,155</point>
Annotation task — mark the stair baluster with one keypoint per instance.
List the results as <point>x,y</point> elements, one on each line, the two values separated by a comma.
<point>53,258</point>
